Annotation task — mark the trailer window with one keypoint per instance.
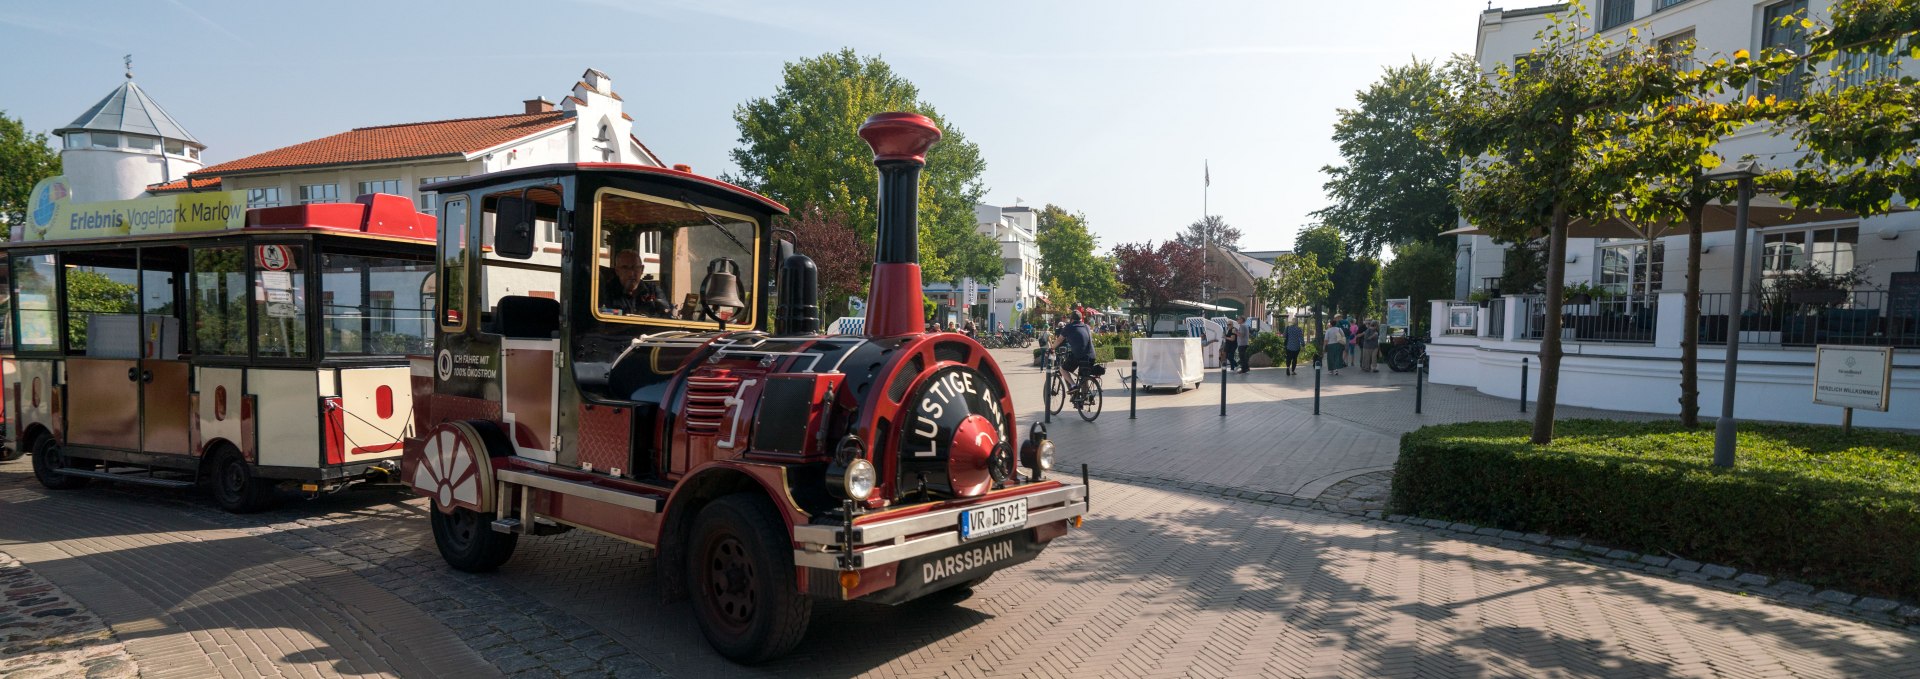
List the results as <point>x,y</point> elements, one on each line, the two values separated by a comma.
<point>219,293</point>
<point>36,291</point>
<point>653,254</point>
<point>6,309</point>
<point>451,283</point>
<point>103,312</point>
<point>373,305</point>
<point>280,300</point>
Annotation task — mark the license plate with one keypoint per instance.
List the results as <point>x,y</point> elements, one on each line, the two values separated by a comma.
<point>992,519</point>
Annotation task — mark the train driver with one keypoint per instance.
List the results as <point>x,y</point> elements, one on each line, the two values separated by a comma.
<point>629,293</point>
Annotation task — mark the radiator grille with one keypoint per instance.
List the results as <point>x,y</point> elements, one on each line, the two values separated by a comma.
<point>707,402</point>
<point>951,351</point>
<point>898,389</point>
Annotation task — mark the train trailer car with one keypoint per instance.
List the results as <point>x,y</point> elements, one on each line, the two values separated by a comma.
<point>271,353</point>
<point>648,400</point>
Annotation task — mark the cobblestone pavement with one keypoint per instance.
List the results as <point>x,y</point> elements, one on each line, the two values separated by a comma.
<point>1160,582</point>
<point>45,633</point>
<point>1361,493</point>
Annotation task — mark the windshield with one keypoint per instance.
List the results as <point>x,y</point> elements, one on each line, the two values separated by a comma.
<point>654,256</point>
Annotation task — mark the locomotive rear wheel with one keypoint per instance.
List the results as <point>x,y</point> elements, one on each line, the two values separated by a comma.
<point>468,542</point>
<point>46,460</point>
<point>235,488</point>
<point>744,594</point>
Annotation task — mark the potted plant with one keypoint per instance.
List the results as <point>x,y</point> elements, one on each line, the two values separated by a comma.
<point>1480,297</point>
<point>1814,285</point>
<point>1584,293</point>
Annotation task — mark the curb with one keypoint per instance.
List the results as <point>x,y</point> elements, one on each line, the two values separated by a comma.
<point>1903,615</point>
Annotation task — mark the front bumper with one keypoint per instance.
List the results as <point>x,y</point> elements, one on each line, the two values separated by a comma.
<point>889,541</point>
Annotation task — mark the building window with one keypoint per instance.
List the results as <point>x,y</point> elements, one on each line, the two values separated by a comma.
<point>1831,250</point>
<point>176,147</point>
<point>1615,12</point>
<point>267,197</point>
<point>1859,68</point>
<point>387,186</point>
<point>1677,50</point>
<point>77,140</point>
<point>1663,4</point>
<point>1629,267</point>
<point>430,201</point>
<point>319,193</point>
<point>105,140</point>
<point>142,142</point>
<point>1782,31</point>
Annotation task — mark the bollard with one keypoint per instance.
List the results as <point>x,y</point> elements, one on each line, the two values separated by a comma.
<point>1223,390</point>
<point>1046,378</point>
<point>1419,385</point>
<point>1523,384</point>
<point>1133,393</point>
<point>1316,385</point>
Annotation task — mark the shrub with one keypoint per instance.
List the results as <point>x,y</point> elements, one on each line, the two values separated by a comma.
<point>1803,502</point>
<point>1123,352</point>
<point>1270,344</point>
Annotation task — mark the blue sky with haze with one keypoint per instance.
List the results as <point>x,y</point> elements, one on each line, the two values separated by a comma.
<point>1107,108</point>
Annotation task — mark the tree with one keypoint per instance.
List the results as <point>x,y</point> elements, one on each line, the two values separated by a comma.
<point>1298,281</point>
<point>801,147</point>
<point>1354,287</point>
<point>1538,139</point>
<point>25,159</point>
<point>1420,272</point>
<point>1213,229</point>
<point>1066,258</point>
<point>1155,276</point>
<point>1323,242</point>
<point>844,262</point>
<point>1396,186</point>
<point>1524,268</point>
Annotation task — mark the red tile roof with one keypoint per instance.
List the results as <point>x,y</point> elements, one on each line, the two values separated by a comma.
<point>181,185</point>
<point>396,142</point>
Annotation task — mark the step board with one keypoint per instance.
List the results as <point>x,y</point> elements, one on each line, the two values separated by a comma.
<point>645,503</point>
<point>127,478</point>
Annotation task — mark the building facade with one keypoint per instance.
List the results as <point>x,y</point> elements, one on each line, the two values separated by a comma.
<point>122,144</point>
<point>1624,345</point>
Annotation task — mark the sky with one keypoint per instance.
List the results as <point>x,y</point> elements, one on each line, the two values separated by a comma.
<point>1109,108</point>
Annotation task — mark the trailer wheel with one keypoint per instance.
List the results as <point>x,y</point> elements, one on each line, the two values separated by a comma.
<point>741,565</point>
<point>235,488</point>
<point>46,460</point>
<point>468,542</point>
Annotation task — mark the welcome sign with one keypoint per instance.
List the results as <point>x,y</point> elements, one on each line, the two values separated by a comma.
<point>1852,377</point>
<point>52,216</point>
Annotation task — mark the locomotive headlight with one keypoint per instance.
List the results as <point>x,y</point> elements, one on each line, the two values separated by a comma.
<point>1046,455</point>
<point>859,479</point>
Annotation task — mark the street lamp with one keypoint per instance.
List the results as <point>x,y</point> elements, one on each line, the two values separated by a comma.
<point>1743,173</point>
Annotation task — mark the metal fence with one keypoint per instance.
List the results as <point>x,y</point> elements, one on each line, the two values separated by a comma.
<point>1618,318</point>
<point>1861,317</point>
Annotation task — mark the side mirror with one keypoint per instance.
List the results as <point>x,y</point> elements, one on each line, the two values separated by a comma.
<point>513,227</point>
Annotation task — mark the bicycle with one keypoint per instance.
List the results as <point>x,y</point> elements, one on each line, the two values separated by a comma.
<point>1086,393</point>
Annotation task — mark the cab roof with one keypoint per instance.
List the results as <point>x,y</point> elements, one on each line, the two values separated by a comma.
<point>556,169</point>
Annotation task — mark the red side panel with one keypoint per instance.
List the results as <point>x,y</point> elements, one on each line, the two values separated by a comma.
<point>606,435</point>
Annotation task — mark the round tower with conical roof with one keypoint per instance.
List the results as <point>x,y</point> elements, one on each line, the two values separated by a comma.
<point>123,144</point>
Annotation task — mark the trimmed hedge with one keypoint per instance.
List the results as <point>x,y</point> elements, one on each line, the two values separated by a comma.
<point>1100,354</point>
<point>1802,502</point>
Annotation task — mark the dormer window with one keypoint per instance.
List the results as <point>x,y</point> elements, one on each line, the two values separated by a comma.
<point>76,140</point>
<point>106,140</point>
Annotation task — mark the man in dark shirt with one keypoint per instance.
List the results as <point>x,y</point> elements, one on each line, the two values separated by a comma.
<point>628,293</point>
<point>1078,339</point>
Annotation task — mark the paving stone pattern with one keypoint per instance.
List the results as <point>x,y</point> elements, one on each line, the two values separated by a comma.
<point>45,633</point>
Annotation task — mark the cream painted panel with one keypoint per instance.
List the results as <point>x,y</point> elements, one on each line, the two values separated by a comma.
<point>214,423</point>
<point>34,372</point>
<point>289,415</point>
<point>370,436</point>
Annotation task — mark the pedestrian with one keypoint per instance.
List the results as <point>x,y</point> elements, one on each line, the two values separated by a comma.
<point>1295,339</point>
<point>1370,346</point>
<point>1336,348</point>
<point>1230,345</point>
<point>1246,335</point>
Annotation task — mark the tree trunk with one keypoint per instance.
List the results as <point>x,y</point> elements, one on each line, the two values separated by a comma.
<point>1550,344</point>
<point>1690,337</point>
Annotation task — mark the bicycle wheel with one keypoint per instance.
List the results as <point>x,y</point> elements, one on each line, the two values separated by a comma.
<point>1057,398</point>
<point>1089,403</point>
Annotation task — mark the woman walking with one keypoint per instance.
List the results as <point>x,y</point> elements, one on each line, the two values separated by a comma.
<point>1336,341</point>
<point>1370,346</point>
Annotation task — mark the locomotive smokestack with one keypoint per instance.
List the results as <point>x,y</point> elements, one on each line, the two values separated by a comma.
<point>900,142</point>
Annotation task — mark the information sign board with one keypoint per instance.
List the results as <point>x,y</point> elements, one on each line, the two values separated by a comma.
<point>1852,377</point>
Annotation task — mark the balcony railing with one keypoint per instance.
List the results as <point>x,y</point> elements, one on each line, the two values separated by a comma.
<point>1861,317</point>
<point>1619,318</point>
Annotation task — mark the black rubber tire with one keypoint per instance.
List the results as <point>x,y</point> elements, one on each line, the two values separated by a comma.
<point>741,575</point>
<point>233,485</point>
<point>46,459</point>
<point>1401,360</point>
<point>1057,401</point>
<point>1090,402</point>
<point>468,542</point>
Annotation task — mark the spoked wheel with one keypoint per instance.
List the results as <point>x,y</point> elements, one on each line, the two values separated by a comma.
<point>468,542</point>
<point>235,488</point>
<point>1057,398</point>
<point>1089,402</point>
<point>1402,360</point>
<point>47,460</point>
<point>744,594</point>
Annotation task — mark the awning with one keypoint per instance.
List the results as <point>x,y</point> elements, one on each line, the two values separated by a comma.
<point>1201,306</point>
<point>1763,211</point>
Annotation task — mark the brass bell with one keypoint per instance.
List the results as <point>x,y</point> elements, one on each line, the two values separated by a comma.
<point>721,287</point>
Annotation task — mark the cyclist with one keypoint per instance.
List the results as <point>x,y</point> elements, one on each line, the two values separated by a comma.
<point>1078,339</point>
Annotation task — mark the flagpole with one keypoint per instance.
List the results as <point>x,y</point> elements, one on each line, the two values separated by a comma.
<point>1206,237</point>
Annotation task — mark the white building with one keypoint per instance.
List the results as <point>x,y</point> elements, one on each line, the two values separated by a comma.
<point>1015,229</point>
<point>122,144</point>
<point>1622,351</point>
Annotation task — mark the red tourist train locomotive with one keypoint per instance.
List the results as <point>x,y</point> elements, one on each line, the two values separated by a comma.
<point>647,400</point>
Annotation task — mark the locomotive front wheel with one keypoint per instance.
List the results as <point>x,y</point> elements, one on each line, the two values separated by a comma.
<point>468,542</point>
<point>235,488</point>
<point>744,594</point>
<point>46,460</point>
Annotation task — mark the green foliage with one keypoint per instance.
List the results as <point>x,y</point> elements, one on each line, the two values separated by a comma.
<point>25,159</point>
<point>1396,186</point>
<point>1066,258</point>
<point>1268,343</point>
<point>1806,502</point>
<point>92,292</point>
<point>1590,290</point>
<point>801,146</point>
<point>1298,281</point>
<point>1323,242</point>
<point>1420,272</point>
<point>1356,287</point>
<point>1524,270</point>
<point>1214,229</point>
